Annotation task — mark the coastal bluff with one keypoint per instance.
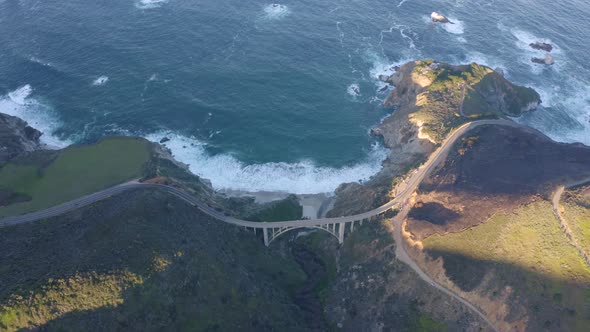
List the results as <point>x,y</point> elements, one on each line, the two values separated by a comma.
<point>431,99</point>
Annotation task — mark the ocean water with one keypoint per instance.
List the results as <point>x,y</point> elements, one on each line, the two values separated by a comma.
<point>261,96</point>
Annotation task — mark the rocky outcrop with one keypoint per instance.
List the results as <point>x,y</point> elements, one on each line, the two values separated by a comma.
<point>541,46</point>
<point>439,18</point>
<point>547,60</point>
<point>430,99</point>
<point>16,138</point>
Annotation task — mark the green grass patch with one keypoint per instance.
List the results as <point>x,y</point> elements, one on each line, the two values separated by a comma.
<point>459,94</point>
<point>529,252</point>
<point>76,171</point>
<point>286,209</point>
<point>424,323</point>
<point>576,207</point>
<point>530,239</point>
<point>60,297</point>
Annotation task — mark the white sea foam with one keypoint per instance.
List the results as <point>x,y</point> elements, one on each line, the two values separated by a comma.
<point>458,28</point>
<point>102,80</point>
<point>382,66</point>
<point>566,114</point>
<point>39,61</point>
<point>354,90</point>
<point>20,103</point>
<point>226,172</point>
<point>401,3</point>
<point>149,4</point>
<point>275,11</point>
<point>523,39</point>
<point>20,95</point>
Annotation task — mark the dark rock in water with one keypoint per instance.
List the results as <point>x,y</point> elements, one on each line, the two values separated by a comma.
<point>500,71</point>
<point>383,89</point>
<point>542,46</point>
<point>164,140</point>
<point>438,18</point>
<point>16,138</point>
<point>547,60</point>
<point>384,78</point>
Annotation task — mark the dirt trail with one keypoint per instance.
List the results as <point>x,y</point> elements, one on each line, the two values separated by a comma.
<point>563,224</point>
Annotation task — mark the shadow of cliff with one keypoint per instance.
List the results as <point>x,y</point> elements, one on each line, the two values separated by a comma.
<point>552,304</point>
<point>506,160</point>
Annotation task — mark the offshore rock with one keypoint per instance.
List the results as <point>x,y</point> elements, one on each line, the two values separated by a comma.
<point>542,46</point>
<point>438,18</point>
<point>547,60</point>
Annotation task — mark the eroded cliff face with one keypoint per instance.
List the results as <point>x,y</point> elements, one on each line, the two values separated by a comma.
<point>430,100</point>
<point>16,138</point>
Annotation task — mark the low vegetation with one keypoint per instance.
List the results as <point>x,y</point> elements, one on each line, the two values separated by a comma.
<point>143,261</point>
<point>459,94</point>
<point>286,209</point>
<point>48,179</point>
<point>529,253</point>
<point>576,205</point>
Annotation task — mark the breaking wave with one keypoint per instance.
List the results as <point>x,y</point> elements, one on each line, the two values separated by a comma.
<point>226,172</point>
<point>38,115</point>
<point>275,11</point>
<point>149,4</point>
<point>102,80</point>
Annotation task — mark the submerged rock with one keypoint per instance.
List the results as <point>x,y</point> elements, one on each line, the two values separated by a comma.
<point>547,60</point>
<point>542,46</point>
<point>164,140</point>
<point>438,18</point>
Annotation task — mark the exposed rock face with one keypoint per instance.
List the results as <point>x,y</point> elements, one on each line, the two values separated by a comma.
<point>438,18</point>
<point>16,138</point>
<point>547,60</point>
<point>541,46</point>
<point>431,99</point>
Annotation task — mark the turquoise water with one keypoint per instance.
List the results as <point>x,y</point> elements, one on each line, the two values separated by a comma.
<point>260,97</point>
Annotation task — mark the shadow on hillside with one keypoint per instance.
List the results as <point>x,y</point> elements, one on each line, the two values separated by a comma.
<point>197,273</point>
<point>551,303</point>
<point>506,160</point>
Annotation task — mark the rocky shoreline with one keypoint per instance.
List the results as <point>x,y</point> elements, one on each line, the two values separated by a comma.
<point>422,89</point>
<point>407,132</point>
<point>17,138</point>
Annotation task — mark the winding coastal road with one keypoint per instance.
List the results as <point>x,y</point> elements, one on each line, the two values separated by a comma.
<point>405,191</point>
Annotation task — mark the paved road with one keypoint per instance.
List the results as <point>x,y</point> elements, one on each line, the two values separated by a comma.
<point>404,194</point>
<point>409,187</point>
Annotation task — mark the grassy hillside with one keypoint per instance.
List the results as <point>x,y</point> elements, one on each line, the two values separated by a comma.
<point>46,179</point>
<point>459,94</point>
<point>576,205</point>
<point>143,261</point>
<point>529,253</point>
<point>365,288</point>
